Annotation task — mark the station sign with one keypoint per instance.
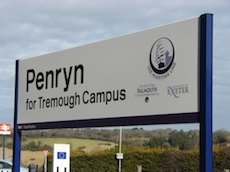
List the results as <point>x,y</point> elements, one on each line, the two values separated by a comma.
<point>152,72</point>
<point>5,129</point>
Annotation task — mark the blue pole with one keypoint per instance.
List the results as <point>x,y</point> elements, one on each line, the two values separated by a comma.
<point>206,41</point>
<point>17,133</point>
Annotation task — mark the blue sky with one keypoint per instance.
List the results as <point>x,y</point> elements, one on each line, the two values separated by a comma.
<point>32,28</point>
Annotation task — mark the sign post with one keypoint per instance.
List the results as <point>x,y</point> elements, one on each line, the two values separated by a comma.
<point>17,132</point>
<point>206,32</point>
<point>3,146</point>
<point>119,155</point>
<point>45,153</point>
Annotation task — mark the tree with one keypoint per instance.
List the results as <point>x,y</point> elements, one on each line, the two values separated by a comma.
<point>158,141</point>
<point>183,140</point>
<point>221,136</point>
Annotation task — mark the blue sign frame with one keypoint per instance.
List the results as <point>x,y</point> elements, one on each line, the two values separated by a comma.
<point>203,117</point>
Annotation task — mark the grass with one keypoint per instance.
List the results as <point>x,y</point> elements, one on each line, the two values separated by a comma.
<point>86,145</point>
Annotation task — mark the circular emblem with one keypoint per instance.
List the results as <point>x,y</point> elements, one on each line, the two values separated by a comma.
<point>161,55</point>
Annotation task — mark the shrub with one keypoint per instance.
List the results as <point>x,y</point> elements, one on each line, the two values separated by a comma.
<point>151,159</point>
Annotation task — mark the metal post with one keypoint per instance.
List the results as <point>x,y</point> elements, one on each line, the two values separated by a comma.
<point>206,31</point>
<point>45,164</point>
<point>3,146</point>
<point>120,143</point>
<point>139,168</point>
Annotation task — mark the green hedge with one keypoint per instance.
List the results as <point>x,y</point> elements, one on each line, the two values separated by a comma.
<point>151,160</point>
<point>222,159</point>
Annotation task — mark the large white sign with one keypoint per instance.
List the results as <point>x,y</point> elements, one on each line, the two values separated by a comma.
<point>153,72</point>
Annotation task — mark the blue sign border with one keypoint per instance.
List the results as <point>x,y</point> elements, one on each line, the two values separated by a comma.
<point>124,121</point>
<point>203,117</point>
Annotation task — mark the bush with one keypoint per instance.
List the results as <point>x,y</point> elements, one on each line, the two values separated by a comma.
<point>151,159</point>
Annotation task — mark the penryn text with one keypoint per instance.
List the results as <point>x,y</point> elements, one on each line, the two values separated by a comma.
<point>51,78</point>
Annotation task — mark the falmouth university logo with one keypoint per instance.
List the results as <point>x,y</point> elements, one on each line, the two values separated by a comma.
<point>161,58</point>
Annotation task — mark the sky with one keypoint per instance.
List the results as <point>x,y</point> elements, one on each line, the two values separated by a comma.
<point>32,28</point>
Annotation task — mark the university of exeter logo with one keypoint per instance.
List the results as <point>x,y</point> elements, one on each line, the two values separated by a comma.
<point>161,58</point>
